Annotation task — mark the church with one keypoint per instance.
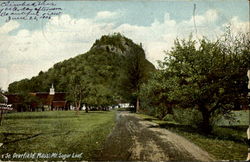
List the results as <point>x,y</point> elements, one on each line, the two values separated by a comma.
<point>36,101</point>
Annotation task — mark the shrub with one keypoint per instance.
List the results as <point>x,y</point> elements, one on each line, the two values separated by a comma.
<point>190,116</point>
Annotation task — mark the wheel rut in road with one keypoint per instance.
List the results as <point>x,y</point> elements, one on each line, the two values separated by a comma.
<point>134,139</point>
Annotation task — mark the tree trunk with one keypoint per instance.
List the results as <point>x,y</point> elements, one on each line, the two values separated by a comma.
<point>137,105</point>
<point>170,109</point>
<point>78,105</point>
<point>77,110</point>
<point>86,109</point>
<point>205,125</point>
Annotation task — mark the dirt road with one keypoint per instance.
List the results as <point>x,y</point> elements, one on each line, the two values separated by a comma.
<point>135,139</point>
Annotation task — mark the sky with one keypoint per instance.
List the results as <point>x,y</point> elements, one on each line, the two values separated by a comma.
<point>28,47</point>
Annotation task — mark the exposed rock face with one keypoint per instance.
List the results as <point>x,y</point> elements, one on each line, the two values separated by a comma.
<point>110,48</point>
<point>114,43</point>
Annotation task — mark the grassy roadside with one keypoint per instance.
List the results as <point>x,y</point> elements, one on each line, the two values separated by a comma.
<point>226,142</point>
<point>60,132</point>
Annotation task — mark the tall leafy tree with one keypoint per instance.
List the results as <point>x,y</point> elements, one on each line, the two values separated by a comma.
<point>136,70</point>
<point>77,91</point>
<point>155,94</point>
<point>29,102</point>
<point>207,77</point>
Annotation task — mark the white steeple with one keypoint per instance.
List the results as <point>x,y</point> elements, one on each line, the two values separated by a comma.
<point>52,90</point>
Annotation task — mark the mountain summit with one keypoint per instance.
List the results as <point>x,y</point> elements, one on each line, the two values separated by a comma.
<point>105,68</point>
<point>114,43</point>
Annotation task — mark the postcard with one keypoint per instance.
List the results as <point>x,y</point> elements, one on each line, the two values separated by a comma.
<point>129,80</point>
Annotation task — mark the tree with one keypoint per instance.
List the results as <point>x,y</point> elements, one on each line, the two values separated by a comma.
<point>136,69</point>
<point>19,86</point>
<point>78,89</point>
<point>155,94</point>
<point>29,102</point>
<point>206,77</point>
<point>102,70</point>
<point>100,97</point>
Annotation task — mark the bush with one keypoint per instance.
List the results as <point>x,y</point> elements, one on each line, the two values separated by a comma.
<point>190,117</point>
<point>147,109</point>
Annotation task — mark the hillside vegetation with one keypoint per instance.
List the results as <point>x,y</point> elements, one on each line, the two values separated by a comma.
<point>109,72</point>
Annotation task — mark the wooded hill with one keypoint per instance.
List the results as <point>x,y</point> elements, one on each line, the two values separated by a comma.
<point>109,72</point>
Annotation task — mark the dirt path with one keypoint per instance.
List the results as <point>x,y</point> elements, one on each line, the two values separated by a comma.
<point>135,139</point>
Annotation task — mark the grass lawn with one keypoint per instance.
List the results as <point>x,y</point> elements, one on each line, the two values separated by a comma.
<point>60,132</point>
<point>227,141</point>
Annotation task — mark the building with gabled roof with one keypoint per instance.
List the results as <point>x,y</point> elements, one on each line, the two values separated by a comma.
<point>44,100</point>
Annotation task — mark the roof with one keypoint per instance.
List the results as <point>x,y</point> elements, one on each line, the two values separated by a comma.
<point>14,98</point>
<point>44,97</point>
<point>59,97</point>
